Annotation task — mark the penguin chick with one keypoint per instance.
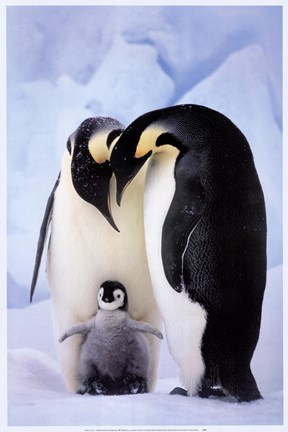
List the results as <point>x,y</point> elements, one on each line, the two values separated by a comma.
<point>114,357</point>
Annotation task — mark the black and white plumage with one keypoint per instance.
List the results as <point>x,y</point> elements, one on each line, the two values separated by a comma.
<point>205,230</point>
<point>84,249</point>
<point>114,358</point>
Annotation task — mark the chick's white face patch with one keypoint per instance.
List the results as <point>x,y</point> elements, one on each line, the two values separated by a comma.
<point>119,297</point>
<point>104,302</point>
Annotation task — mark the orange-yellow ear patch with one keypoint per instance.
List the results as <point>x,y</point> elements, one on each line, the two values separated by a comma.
<point>98,147</point>
<point>148,140</point>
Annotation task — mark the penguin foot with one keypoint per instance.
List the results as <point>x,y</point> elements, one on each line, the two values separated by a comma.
<point>82,389</point>
<point>97,388</point>
<point>85,387</point>
<point>92,386</point>
<point>179,391</point>
<point>134,385</point>
<point>131,384</point>
<point>206,392</point>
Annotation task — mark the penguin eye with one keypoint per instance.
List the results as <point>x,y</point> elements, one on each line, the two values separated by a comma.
<point>118,296</point>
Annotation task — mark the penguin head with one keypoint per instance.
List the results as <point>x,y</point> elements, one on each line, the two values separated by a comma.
<point>150,133</point>
<point>112,295</point>
<point>91,171</point>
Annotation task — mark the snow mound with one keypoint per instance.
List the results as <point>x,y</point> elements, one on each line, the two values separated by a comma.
<point>34,372</point>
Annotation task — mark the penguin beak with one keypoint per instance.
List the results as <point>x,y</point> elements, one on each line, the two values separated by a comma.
<point>125,165</point>
<point>107,214</point>
<point>101,196</point>
<point>96,190</point>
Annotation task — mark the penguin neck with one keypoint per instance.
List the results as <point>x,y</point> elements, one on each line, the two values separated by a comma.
<point>108,318</point>
<point>160,187</point>
<point>160,178</point>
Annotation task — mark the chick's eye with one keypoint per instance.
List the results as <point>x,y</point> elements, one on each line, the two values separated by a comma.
<point>118,295</point>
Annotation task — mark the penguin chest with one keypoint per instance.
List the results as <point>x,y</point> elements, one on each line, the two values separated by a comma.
<point>85,251</point>
<point>184,320</point>
<point>79,253</point>
<point>106,348</point>
<point>113,347</point>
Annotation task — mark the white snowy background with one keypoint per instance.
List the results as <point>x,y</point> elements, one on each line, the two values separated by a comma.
<point>65,64</point>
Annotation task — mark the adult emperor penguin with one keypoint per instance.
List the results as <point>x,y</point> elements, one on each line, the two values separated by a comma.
<point>205,229</point>
<point>84,249</point>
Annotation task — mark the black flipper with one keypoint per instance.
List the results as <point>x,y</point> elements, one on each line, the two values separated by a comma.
<point>42,238</point>
<point>182,218</point>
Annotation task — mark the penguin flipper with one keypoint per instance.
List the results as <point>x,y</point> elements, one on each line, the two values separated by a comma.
<point>42,238</point>
<point>184,214</point>
<point>82,328</point>
<point>143,327</point>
